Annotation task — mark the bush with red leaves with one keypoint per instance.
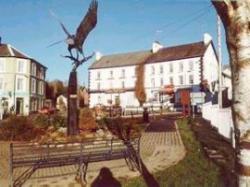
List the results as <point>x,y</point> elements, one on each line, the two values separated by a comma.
<point>19,128</point>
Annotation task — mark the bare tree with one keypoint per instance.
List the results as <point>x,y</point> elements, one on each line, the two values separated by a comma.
<point>235,16</point>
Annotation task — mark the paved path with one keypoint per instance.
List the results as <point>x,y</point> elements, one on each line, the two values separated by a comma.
<point>161,147</point>
<point>4,163</point>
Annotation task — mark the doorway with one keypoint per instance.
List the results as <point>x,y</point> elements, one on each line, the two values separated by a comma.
<point>19,106</point>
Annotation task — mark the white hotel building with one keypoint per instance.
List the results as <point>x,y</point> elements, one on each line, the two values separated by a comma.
<point>184,66</point>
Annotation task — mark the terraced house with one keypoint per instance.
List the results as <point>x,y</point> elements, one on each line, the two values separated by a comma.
<point>113,77</point>
<point>22,81</point>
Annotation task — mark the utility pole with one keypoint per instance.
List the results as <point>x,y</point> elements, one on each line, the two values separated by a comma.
<point>220,61</point>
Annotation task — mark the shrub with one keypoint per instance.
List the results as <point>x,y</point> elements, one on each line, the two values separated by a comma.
<point>124,129</point>
<point>58,121</point>
<point>41,121</point>
<point>19,129</point>
<point>87,120</point>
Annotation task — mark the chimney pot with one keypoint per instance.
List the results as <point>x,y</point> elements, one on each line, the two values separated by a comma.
<point>156,46</point>
<point>98,55</point>
<point>207,38</point>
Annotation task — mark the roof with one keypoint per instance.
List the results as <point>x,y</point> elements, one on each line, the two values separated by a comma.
<point>165,54</point>
<point>178,52</point>
<point>125,59</point>
<point>6,50</point>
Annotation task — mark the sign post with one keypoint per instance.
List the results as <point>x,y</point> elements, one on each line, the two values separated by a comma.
<point>196,98</point>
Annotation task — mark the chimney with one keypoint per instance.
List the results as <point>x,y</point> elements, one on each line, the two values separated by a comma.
<point>207,38</point>
<point>156,46</point>
<point>98,55</point>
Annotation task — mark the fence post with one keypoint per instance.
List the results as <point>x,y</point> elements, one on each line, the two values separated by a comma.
<point>111,146</point>
<point>11,165</point>
<point>47,150</point>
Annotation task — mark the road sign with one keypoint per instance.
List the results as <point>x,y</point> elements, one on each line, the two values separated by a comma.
<point>197,97</point>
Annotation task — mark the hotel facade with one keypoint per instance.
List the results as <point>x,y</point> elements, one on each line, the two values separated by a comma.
<point>113,77</point>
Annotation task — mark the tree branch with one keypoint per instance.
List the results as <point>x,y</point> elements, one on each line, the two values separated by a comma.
<point>225,9</point>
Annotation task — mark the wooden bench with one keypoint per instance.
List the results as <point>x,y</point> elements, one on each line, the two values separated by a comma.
<point>36,156</point>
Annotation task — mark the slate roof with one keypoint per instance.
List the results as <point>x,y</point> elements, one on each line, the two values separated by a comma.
<point>165,54</point>
<point>125,59</point>
<point>178,52</point>
<point>7,50</point>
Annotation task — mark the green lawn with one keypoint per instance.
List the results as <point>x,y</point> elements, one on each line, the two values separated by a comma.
<point>193,170</point>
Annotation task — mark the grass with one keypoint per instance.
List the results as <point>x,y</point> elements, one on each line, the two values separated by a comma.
<point>210,138</point>
<point>194,170</point>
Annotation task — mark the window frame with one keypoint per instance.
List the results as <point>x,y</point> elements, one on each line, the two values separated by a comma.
<point>161,81</point>
<point>171,68</point>
<point>161,69</point>
<point>189,79</point>
<point>33,69</point>
<point>2,61</point>
<point>191,66</point>
<point>152,70</point>
<point>19,62</point>
<point>181,67</point>
<point>152,82</point>
<point>33,85</point>
<point>181,81</point>
<point>23,84</point>
<point>2,85</point>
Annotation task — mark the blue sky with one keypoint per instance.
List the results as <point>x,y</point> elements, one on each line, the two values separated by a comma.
<point>123,26</point>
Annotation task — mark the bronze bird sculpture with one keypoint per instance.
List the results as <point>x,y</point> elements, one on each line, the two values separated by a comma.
<point>76,41</point>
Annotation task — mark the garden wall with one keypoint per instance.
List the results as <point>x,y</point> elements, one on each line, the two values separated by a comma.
<point>221,118</point>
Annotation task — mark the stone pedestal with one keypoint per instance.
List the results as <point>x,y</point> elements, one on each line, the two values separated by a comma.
<point>72,128</point>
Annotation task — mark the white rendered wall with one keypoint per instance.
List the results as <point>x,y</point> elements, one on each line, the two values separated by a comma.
<point>223,120</point>
<point>210,65</point>
<point>175,74</point>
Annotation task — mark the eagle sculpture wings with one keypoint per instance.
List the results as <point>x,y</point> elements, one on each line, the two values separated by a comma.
<point>87,24</point>
<point>76,41</point>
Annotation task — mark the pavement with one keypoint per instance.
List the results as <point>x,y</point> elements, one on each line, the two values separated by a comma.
<point>161,147</point>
